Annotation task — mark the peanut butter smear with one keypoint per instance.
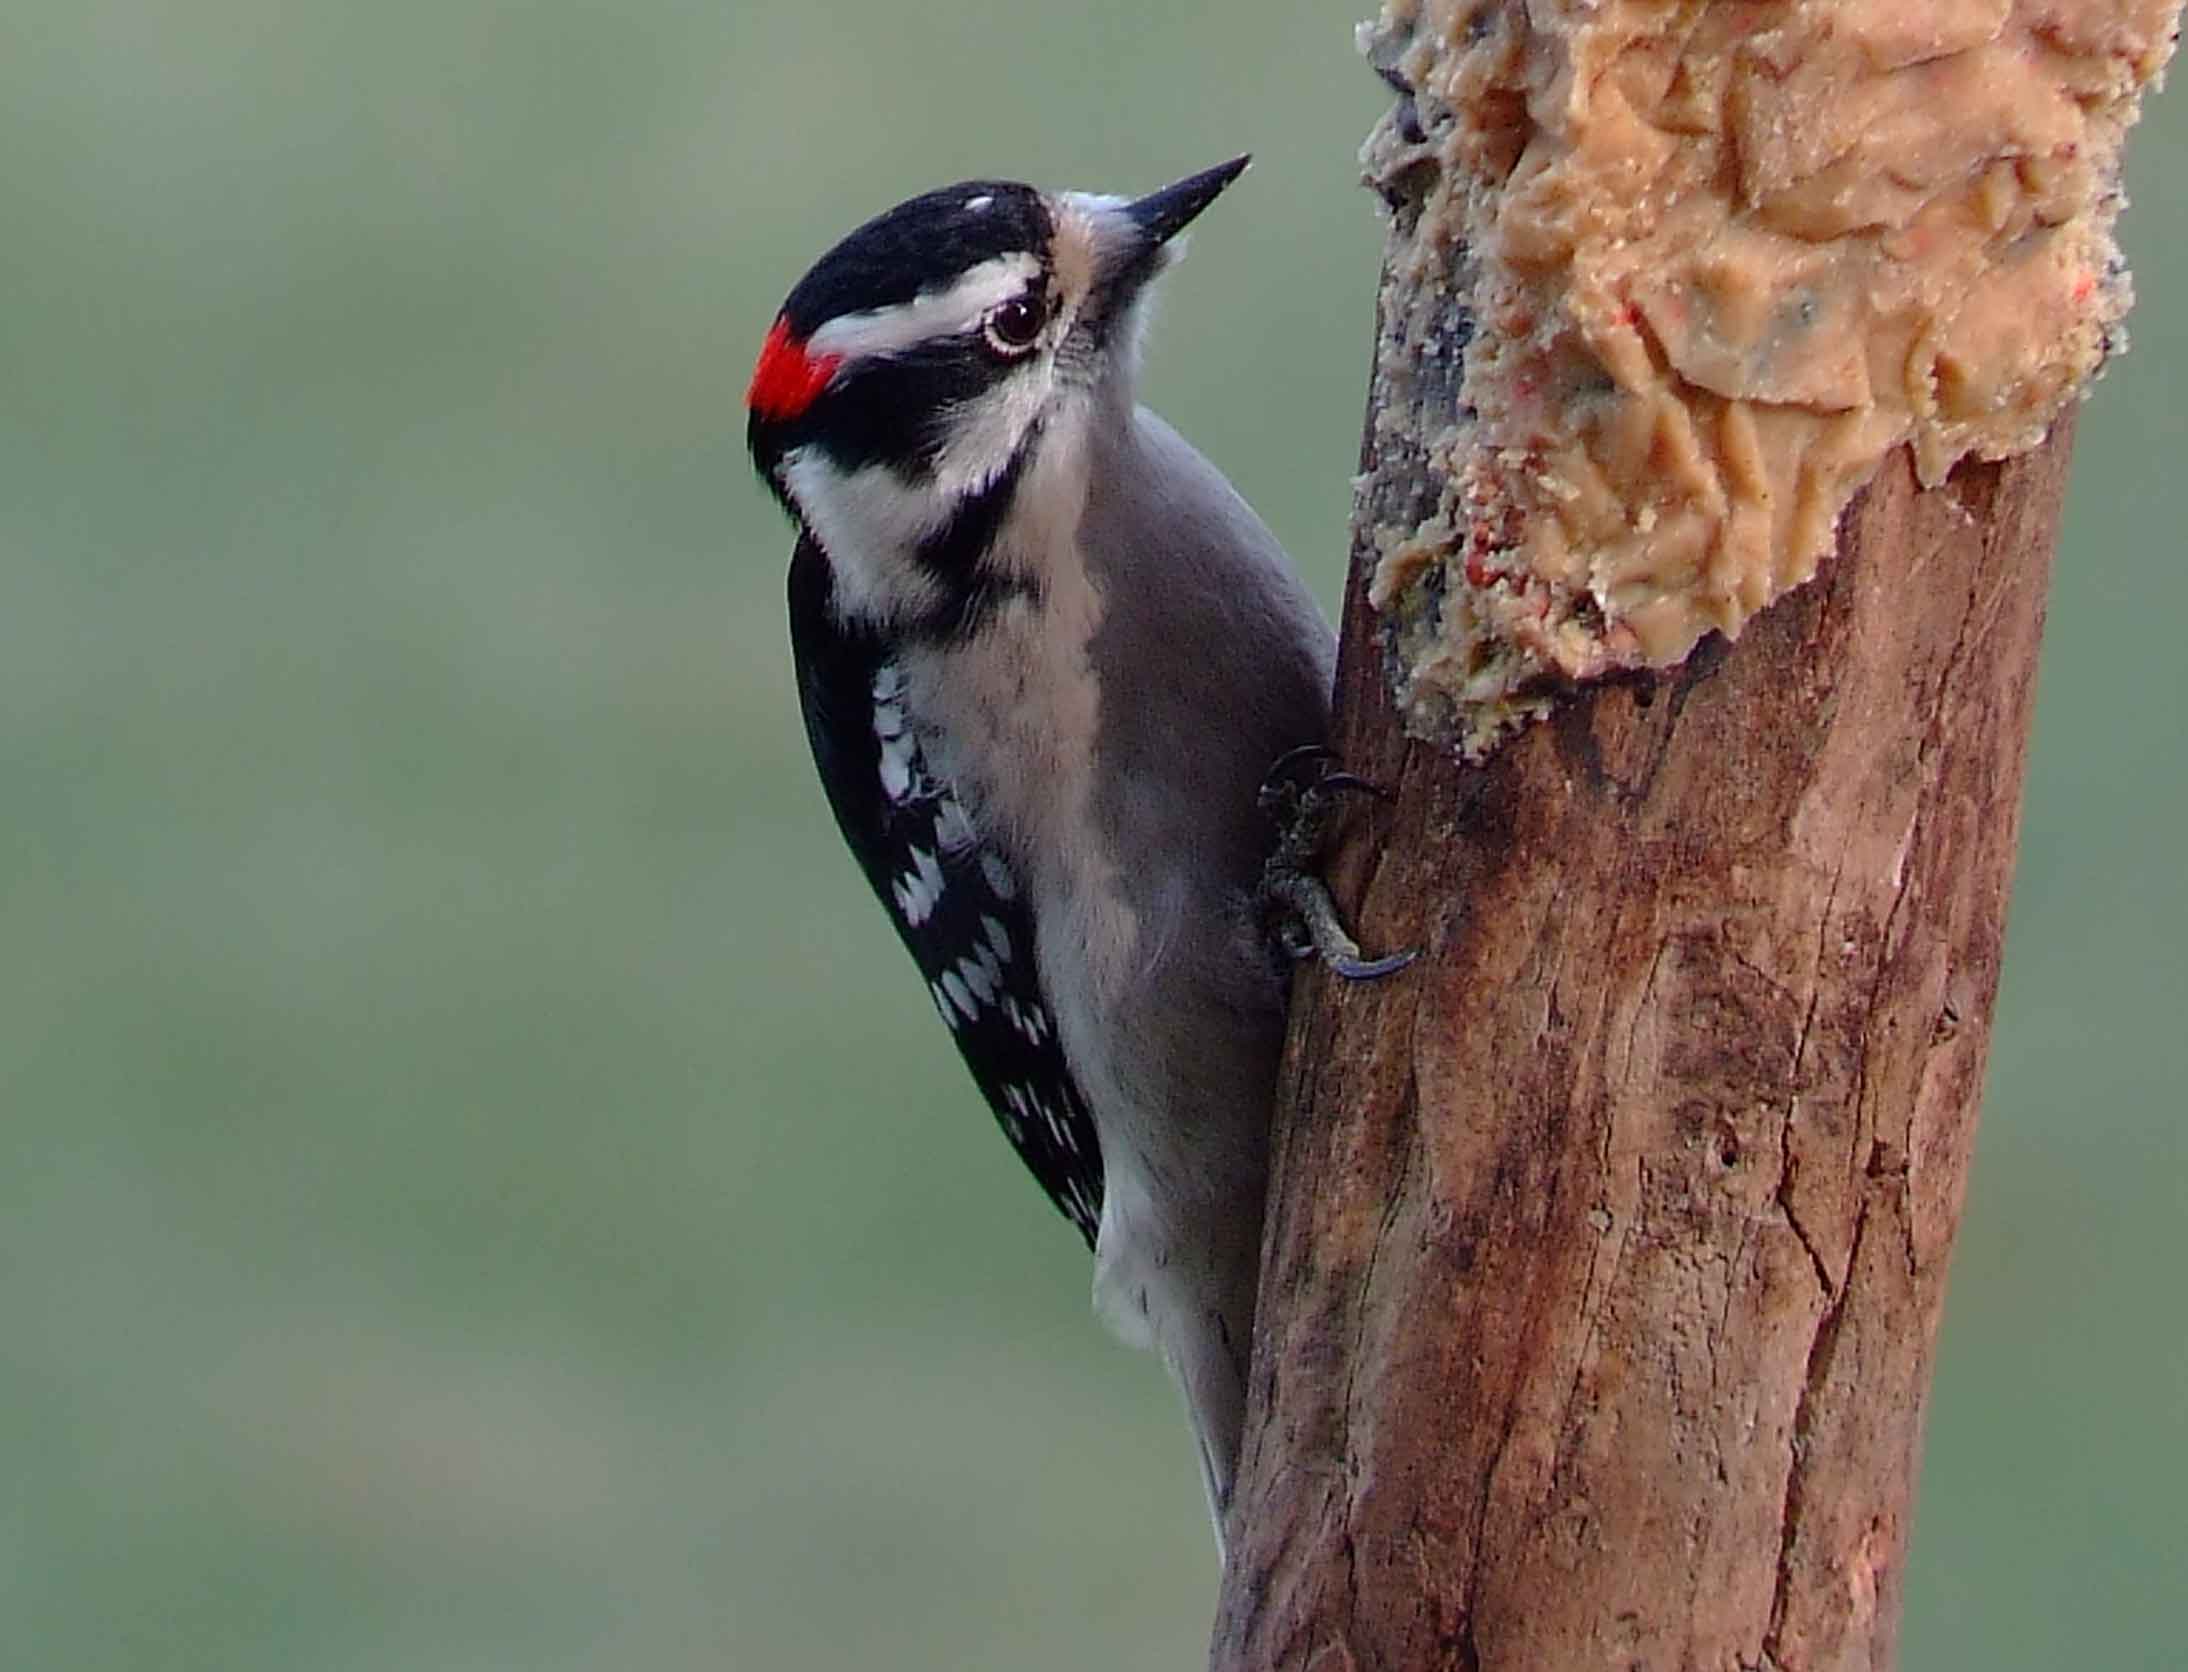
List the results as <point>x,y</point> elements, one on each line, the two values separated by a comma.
<point>1669,278</point>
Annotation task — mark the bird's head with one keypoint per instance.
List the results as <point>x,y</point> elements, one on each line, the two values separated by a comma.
<point>916,370</point>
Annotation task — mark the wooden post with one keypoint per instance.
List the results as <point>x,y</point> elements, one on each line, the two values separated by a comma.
<point>1607,1245</point>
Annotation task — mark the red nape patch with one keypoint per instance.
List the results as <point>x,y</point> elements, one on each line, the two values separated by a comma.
<point>787,380</point>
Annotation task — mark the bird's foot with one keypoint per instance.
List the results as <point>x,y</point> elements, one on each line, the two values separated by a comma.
<point>1302,794</point>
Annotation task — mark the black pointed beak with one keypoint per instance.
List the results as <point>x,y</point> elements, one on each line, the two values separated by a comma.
<point>1133,239</point>
<point>1162,215</point>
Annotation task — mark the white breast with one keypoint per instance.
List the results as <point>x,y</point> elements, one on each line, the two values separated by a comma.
<point>1011,718</point>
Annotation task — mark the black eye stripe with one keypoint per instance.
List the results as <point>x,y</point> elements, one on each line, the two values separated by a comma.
<point>892,410</point>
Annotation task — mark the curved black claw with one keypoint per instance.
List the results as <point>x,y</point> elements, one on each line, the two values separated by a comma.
<point>1283,785</point>
<point>1352,781</point>
<point>1301,802</point>
<point>1308,926</point>
<point>1373,969</point>
<point>1304,917</point>
<point>1293,756</point>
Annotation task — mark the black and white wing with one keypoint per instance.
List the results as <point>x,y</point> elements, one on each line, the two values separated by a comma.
<point>954,901</point>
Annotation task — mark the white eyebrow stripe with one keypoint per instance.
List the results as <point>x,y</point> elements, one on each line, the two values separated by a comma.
<point>938,313</point>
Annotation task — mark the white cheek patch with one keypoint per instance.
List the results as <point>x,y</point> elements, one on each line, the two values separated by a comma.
<point>986,432</point>
<point>854,508</point>
<point>939,313</point>
<point>870,522</point>
<point>873,523</point>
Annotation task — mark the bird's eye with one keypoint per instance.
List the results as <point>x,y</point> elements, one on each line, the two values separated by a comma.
<point>1016,325</point>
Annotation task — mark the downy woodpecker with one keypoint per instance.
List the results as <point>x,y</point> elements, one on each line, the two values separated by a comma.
<point>1046,657</point>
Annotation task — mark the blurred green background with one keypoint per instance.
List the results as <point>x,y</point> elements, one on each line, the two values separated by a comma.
<point>479,1186</point>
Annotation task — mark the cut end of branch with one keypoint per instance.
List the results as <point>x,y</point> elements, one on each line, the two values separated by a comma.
<point>1667,283</point>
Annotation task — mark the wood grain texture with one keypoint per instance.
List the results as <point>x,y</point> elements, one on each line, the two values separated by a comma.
<point>1607,1245</point>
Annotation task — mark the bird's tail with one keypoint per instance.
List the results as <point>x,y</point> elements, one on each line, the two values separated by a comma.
<point>1209,1363</point>
<point>1197,1313</point>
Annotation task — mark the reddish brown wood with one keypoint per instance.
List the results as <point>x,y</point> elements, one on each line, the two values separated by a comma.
<point>1607,1245</point>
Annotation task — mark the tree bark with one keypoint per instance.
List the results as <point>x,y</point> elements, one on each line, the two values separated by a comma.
<point>1606,1245</point>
